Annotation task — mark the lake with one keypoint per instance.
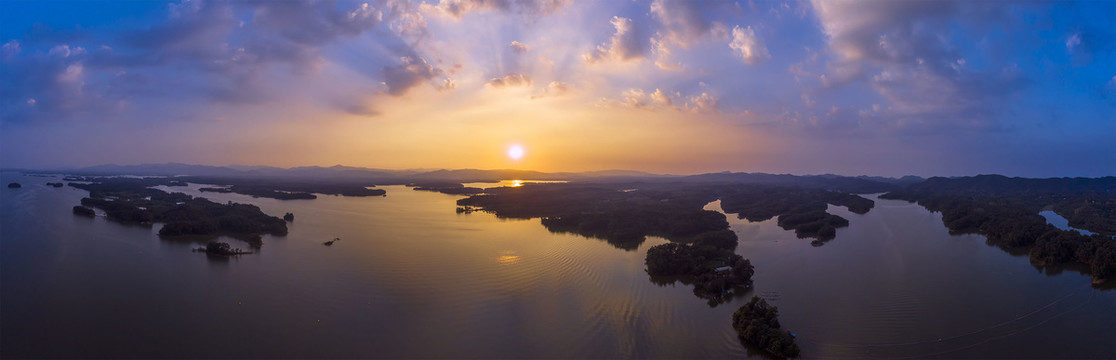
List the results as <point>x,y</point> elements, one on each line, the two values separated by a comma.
<point>1060,222</point>
<point>412,278</point>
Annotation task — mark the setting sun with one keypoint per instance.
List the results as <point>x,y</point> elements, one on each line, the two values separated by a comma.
<point>515,152</point>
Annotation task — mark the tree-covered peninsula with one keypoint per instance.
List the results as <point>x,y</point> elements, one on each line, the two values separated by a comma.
<point>1005,210</point>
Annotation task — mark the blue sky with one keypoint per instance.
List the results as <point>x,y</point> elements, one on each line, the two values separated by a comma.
<point>847,87</point>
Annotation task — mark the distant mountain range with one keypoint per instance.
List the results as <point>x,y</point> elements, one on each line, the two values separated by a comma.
<point>349,174</point>
<point>338,174</point>
<point>341,172</point>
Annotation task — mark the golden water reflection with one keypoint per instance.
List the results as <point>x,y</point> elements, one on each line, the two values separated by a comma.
<point>507,257</point>
<point>516,183</point>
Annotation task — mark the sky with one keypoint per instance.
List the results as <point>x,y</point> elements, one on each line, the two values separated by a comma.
<point>890,88</point>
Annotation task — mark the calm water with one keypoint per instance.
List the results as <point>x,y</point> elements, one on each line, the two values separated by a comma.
<point>1060,222</point>
<point>411,278</point>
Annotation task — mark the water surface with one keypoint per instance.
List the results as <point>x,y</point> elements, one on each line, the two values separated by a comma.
<point>1060,222</point>
<point>412,278</point>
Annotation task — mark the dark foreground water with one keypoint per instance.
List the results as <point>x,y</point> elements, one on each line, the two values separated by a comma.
<point>411,278</point>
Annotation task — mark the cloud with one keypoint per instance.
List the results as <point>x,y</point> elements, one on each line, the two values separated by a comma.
<point>683,24</point>
<point>635,98</point>
<point>459,8</point>
<point>749,47</point>
<point>627,43</point>
<point>510,80</point>
<point>411,72</point>
<point>54,85</point>
<point>1073,41</point>
<point>518,47</point>
<point>899,49</point>
<point>10,49</point>
<point>554,88</point>
<point>704,102</point>
<point>682,21</point>
<point>233,53</point>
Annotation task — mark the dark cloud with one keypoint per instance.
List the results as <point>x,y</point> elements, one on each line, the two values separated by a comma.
<point>207,50</point>
<point>411,72</point>
<point>901,49</point>
<point>51,85</point>
<point>684,22</point>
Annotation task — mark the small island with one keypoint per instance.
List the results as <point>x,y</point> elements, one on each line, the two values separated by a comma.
<point>84,211</point>
<point>262,192</point>
<point>798,209</point>
<point>214,248</point>
<point>55,184</point>
<point>14,185</point>
<point>757,324</point>
<point>289,217</point>
<point>284,188</point>
<point>447,188</point>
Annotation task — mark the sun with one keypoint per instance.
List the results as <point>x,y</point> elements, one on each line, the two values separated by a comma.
<point>515,152</point>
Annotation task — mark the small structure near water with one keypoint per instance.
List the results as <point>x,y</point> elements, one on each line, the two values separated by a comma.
<point>221,249</point>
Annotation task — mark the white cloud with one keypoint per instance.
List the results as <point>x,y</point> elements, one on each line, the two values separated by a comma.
<point>555,88</point>
<point>519,47</point>
<point>626,44</point>
<point>1073,41</point>
<point>748,46</point>
<point>510,80</point>
<point>635,98</point>
<point>459,8</point>
<point>702,103</point>
<point>10,48</point>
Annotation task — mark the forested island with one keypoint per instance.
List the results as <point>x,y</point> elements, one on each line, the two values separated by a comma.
<point>757,323</point>
<point>133,201</point>
<point>702,249</point>
<point>1005,210</point>
<point>285,188</point>
<point>261,192</point>
<point>449,188</point>
<point>799,209</point>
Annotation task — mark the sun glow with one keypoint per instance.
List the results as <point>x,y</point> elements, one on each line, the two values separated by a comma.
<point>515,152</point>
